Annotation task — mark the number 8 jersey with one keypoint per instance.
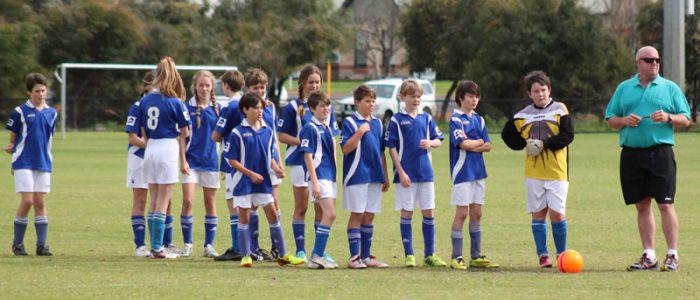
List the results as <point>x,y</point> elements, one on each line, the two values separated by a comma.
<point>162,116</point>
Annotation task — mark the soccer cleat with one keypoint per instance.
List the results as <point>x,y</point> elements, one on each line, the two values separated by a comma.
<point>373,262</point>
<point>142,252</point>
<point>356,263</point>
<point>261,255</point>
<point>482,262</point>
<point>43,250</point>
<point>18,250</point>
<point>210,252</point>
<point>246,262</point>
<point>171,249</point>
<point>644,264</point>
<point>302,255</point>
<point>230,254</point>
<point>545,262</point>
<point>410,261</point>
<point>330,259</point>
<point>289,259</point>
<point>320,262</point>
<point>275,254</point>
<point>434,261</point>
<point>458,264</point>
<point>163,253</point>
<point>186,251</point>
<point>670,264</point>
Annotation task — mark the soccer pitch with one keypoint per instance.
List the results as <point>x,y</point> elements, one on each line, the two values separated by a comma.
<point>90,236</point>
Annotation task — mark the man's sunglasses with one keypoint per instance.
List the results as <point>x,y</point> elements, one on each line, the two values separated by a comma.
<point>651,60</point>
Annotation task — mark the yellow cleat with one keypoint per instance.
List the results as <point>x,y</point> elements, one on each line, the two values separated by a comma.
<point>246,262</point>
<point>458,264</point>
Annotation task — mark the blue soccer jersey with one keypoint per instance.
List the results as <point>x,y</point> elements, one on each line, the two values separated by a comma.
<point>253,149</point>
<point>228,120</point>
<point>364,164</point>
<point>133,125</point>
<point>466,165</point>
<point>405,134</point>
<point>162,116</point>
<point>317,139</point>
<point>34,130</point>
<point>290,123</point>
<point>202,152</point>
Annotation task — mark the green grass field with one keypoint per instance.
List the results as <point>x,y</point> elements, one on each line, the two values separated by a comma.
<point>90,236</point>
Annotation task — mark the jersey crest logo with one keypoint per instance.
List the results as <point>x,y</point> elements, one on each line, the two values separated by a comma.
<point>221,122</point>
<point>459,134</point>
<point>226,146</point>
<point>187,116</point>
<point>304,143</point>
<point>280,123</point>
<point>10,122</point>
<point>130,121</point>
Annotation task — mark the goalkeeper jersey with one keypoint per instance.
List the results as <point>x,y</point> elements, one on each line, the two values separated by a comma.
<point>553,126</point>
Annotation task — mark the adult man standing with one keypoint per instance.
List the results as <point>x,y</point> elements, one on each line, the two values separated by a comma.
<point>646,108</point>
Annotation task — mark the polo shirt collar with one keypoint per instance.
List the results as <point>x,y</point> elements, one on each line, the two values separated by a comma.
<point>245,123</point>
<point>360,117</point>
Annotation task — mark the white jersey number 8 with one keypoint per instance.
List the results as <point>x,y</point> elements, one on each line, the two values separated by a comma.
<point>152,122</point>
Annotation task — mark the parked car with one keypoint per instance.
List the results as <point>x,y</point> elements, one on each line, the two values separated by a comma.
<point>388,102</point>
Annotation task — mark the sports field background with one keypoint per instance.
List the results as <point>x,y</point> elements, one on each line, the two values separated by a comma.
<point>90,236</point>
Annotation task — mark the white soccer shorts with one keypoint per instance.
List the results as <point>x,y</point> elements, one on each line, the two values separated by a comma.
<point>470,192</point>
<point>298,177</point>
<point>160,162</point>
<point>207,179</point>
<point>134,173</point>
<point>31,181</point>
<point>247,201</point>
<point>543,194</point>
<point>365,197</point>
<point>420,195</point>
<point>329,189</point>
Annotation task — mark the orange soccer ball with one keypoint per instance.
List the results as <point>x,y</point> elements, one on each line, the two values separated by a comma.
<point>570,261</point>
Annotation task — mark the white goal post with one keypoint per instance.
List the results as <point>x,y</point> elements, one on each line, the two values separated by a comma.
<point>61,75</point>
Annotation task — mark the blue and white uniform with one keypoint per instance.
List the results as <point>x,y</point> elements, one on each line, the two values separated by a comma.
<point>466,167</point>
<point>228,120</point>
<point>202,152</point>
<point>405,133</point>
<point>363,173</point>
<point>317,139</point>
<point>291,123</point>
<point>162,117</point>
<point>31,154</point>
<point>134,165</point>
<point>253,149</point>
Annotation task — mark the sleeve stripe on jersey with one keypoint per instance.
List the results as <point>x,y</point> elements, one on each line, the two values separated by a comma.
<point>20,146</point>
<point>358,151</point>
<point>236,178</point>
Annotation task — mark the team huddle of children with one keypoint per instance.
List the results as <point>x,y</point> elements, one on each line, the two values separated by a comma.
<point>170,138</point>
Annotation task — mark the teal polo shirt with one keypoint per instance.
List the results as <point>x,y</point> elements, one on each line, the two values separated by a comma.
<point>632,98</point>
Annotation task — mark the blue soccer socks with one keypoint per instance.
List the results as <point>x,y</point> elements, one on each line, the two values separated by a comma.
<point>210,223</point>
<point>407,236</point>
<point>20,229</point>
<point>559,233</point>
<point>457,242</point>
<point>168,233</point>
<point>322,234</point>
<point>254,227</point>
<point>539,232</point>
<point>429,235</point>
<point>138,226</point>
<point>244,239</point>
<point>41,223</point>
<point>475,240</point>
<point>186,222</point>
<point>366,233</point>
<point>234,233</point>
<point>354,241</point>
<point>278,238</point>
<point>298,227</point>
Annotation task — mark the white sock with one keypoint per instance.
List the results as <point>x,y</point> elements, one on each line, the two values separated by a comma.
<point>651,253</point>
<point>673,252</point>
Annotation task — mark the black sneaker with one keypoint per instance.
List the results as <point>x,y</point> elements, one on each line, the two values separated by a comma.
<point>230,255</point>
<point>261,255</point>
<point>643,264</point>
<point>43,250</point>
<point>18,250</point>
<point>276,255</point>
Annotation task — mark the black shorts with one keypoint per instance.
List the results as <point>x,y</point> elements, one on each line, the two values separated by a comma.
<point>648,172</point>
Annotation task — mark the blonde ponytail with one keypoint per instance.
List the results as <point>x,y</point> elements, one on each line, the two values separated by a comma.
<point>168,79</point>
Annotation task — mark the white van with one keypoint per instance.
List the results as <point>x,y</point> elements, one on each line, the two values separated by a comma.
<point>388,102</point>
